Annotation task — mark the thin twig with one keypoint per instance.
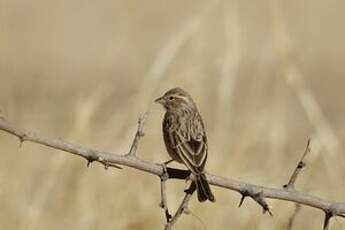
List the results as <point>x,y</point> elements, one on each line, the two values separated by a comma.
<point>183,208</point>
<point>293,217</point>
<point>139,134</point>
<point>327,221</point>
<point>301,164</point>
<point>291,184</point>
<point>110,159</point>
<point>164,204</point>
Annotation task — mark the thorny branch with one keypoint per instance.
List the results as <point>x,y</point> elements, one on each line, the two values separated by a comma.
<point>257,192</point>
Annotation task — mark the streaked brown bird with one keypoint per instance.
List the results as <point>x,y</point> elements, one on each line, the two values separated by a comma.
<point>185,137</point>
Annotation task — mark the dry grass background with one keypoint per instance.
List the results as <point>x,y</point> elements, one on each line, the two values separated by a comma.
<point>266,76</point>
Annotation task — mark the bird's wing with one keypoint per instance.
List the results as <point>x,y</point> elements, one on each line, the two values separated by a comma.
<point>192,150</point>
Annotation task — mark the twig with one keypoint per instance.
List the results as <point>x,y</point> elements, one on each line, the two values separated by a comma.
<point>164,204</point>
<point>183,208</point>
<point>291,184</point>
<point>301,164</point>
<point>110,159</point>
<point>293,217</point>
<point>327,221</point>
<point>138,135</point>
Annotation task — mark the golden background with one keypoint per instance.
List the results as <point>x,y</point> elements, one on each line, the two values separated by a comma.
<point>266,75</point>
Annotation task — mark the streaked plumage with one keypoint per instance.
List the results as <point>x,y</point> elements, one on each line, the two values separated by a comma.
<point>185,136</point>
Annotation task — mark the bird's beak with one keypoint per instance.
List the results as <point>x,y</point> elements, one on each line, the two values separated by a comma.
<point>160,100</point>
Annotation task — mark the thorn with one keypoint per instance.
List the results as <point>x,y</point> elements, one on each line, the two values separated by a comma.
<point>341,215</point>
<point>242,199</point>
<point>244,194</point>
<point>116,166</point>
<point>105,163</point>
<point>268,210</point>
<point>90,158</point>
<point>21,140</point>
<point>88,162</point>
<point>258,197</point>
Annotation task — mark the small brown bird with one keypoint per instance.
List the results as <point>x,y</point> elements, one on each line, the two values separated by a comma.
<point>185,137</point>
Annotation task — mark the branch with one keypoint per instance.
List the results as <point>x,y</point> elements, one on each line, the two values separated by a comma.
<point>112,160</point>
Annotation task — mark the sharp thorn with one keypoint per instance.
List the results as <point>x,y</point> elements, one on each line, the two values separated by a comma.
<point>241,201</point>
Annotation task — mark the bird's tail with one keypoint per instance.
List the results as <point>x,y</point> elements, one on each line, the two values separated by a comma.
<point>203,189</point>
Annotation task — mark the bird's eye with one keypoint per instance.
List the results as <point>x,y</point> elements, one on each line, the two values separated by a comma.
<point>171,98</point>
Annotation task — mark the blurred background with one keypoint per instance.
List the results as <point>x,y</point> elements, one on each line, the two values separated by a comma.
<point>266,75</point>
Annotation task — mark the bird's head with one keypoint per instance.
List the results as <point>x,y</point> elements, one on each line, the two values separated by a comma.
<point>176,99</point>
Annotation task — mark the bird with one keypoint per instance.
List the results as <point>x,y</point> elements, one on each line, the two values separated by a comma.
<point>185,137</point>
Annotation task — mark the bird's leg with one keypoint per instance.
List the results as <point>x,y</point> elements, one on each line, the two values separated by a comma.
<point>189,186</point>
<point>165,174</point>
<point>191,177</point>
